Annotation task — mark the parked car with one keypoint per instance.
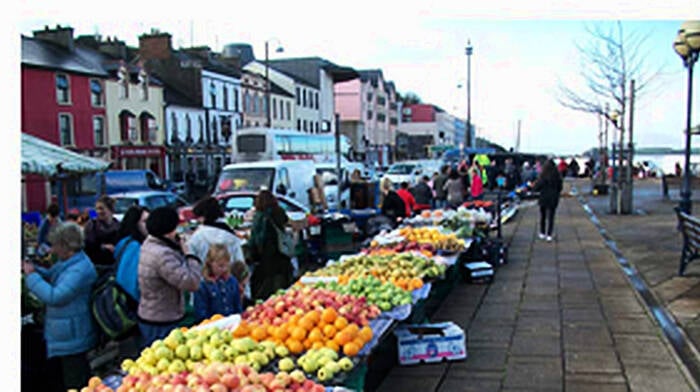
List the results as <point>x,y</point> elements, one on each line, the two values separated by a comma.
<point>409,171</point>
<point>243,201</point>
<point>148,199</point>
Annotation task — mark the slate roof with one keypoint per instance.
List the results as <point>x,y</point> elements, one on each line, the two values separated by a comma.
<point>43,54</point>
<point>306,69</point>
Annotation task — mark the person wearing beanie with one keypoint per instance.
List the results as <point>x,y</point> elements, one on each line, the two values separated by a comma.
<point>165,272</point>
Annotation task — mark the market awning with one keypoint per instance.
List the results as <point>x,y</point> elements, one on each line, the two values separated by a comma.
<point>47,159</point>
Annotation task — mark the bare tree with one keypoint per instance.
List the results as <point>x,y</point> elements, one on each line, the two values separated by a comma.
<point>411,98</point>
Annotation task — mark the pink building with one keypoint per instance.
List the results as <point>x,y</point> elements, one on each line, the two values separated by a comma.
<point>369,114</point>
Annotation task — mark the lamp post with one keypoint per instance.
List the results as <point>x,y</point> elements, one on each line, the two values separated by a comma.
<point>279,49</point>
<point>468,133</point>
<point>687,45</point>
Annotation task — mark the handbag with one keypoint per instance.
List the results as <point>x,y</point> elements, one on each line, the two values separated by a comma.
<point>285,242</point>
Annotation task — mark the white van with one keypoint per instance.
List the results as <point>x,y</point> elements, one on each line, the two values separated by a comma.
<point>327,170</point>
<point>291,178</point>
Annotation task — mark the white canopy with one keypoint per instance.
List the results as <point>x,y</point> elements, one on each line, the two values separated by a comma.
<point>44,158</point>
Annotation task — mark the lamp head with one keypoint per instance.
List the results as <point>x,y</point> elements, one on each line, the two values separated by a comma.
<point>680,46</point>
<point>691,29</point>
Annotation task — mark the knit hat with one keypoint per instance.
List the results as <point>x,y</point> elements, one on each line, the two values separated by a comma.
<point>162,220</point>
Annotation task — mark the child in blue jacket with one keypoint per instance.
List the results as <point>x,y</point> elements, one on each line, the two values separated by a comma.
<point>219,291</point>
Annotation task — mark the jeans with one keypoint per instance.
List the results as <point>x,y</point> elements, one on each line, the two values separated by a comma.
<point>152,332</point>
<point>547,219</point>
<point>74,370</point>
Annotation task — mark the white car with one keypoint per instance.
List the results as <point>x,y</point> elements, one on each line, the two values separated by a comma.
<point>148,199</point>
<point>409,171</point>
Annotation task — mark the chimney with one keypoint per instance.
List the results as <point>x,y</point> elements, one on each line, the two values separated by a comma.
<point>61,36</point>
<point>114,48</point>
<point>155,46</point>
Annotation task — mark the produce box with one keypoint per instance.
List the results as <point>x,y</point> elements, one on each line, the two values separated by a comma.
<point>430,343</point>
<point>478,272</point>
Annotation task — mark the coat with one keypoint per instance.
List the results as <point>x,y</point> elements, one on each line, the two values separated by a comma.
<point>205,235</point>
<point>220,296</point>
<point>454,189</point>
<point>438,186</point>
<point>98,233</point>
<point>408,200</point>
<point>549,190</point>
<point>164,274</point>
<point>422,193</point>
<point>65,289</point>
<point>272,269</point>
<point>127,253</point>
<point>393,206</point>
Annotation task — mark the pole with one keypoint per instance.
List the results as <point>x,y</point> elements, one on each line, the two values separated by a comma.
<point>267,84</point>
<point>604,164</point>
<point>630,149</point>
<point>468,132</point>
<point>686,203</point>
<point>337,157</point>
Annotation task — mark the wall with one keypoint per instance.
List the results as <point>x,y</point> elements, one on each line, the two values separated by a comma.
<point>348,99</point>
<point>135,104</point>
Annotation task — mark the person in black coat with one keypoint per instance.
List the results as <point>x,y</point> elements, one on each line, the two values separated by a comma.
<point>549,185</point>
<point>393,206</point>
<point>423,194</point>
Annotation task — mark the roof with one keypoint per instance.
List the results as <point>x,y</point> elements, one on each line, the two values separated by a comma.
<point>208,62</point>
<point>371,75</point>
<point>43,54</point>
<point>307,70</point>
<point>47,159</point>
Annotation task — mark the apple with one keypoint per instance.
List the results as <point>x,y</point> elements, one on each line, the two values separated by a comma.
<point>182,351</point>
<point>286,364</point>
<point>281,351</point>
<point>177,366</point>
<point>298,376</point>
<point>163,364</point>
<point>345,364</point>
<point>218,387</point>
<point>230,380</point>
<point>324,374</point>
<point>163,352</point>
<point>195,352</point>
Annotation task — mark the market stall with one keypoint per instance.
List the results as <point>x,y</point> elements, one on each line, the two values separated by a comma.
<point>322,331</point>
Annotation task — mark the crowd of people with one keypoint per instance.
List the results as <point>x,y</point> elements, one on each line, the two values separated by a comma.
<point>157,266</point>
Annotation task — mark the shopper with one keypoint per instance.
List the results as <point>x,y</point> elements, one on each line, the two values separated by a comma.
<point>439,187</point>
<point>407,197</point>
<point>454,189</point>
<point>51,220</point>
<point>132,233</point>
<point>218,292</point>
<point>549,185</point>
<point>166,271</point>
<point>213,230</point>
<point>272,269</point>
<point>423,194</point>
<point>476,190</point>
<point>65,289</point>
<point>101,233</point>
<point>393,206</point>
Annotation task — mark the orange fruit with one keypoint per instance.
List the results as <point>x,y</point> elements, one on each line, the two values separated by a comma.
<point>315,335</point>
<point>258,334</point>
<point>294,346</point>
<point>314,315</point>
<point>352,329</point>
<point>282,332</point>
<point>351,349</point>
<point>342,338</point>
<point>332,345</point>
<point>329,315</point>
<point>242,331</point>
<point>366,334</point>
<point>329,330</point>
<point>294,319</point>
<point>298,333</point>
<point>340,323</point>
<point>307,323</point>
<point>307,344</point>
<point>317,345</point>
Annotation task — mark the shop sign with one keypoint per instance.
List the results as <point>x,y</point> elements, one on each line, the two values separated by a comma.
<point>139,151</point>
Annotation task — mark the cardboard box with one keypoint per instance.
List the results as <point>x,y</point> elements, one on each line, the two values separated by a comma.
<point>430,343</point>
<point>478,272</point>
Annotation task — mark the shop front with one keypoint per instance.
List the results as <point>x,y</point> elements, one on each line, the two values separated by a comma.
<point>139,158</point>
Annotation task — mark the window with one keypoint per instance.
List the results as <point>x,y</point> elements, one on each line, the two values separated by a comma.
<point>281,109</point>
<point>393,121</point>
<point>127,126</point>
<point>381,117</point>
<point>214,130</point>
<point>174,137</point>
<point>201,129</point>
<point>62,89</point>
<point>235,99</point>
<point>188,129</point>
<point>123,81</point>
<point>246,102</point>
<point>392,106</point>
<point>381,101</point>
<point>305,126</point>
<point>263,105</point>
<point>148,127</point>
<point>274,109</point>
<point>298,124</point>
<point>212,94</point>
<point>303,101</point>
<point>316,100</point>
<point>98,129</point>
<point>226,128</point>
<point>298,96</point>
<point>225,98</point>
<point>96,93</point>
<point>255,105</point>
<point>143,84</point>
<point>369,97</point>
<point>316,126</point>
<point>65,129</point>
<point>369,114</point>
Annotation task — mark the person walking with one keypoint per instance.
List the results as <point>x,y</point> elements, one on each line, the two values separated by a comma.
<point>213,230</point>
<point>549,185</point>
<point>439,186</point>
<point>454,189</point>
<point>272,269</point>
<point>132,233</point>
<point>65,288</point>
<point>408,200</point>
<point>101,233</point>
<point>51,220</point>
<point>166,271</point>
<point>218,292</point>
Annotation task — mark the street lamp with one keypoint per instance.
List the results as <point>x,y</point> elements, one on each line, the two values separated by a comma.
<point>468,133</point>
<point>687,45</point>
<point>279,49</point>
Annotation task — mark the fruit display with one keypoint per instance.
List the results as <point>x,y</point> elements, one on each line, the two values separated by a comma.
<point>404,270</point>
<point>385,295</point>
<point>432,236</point>
<point>323,364</point>
<point>303,318</point>
<point>218,376</point>
<point>180,351</point>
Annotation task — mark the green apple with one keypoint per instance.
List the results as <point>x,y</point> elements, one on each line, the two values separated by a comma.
<point>324,374</point>
<point>196,352</point>
<point>345,364</point>
<point>206,349</point>
<point>127,364</point>
<point>282,351</point>
<point>286,364</point>
<point>182,351</point>
<point>241,359</point>
<point>164,352</point>
<point>323,360</point>
<point>332,366</point>
<point>163,364</point>
<point>298,376</point>
<point>230,353</point>
<point>217,355</point>
<point>176,366</point>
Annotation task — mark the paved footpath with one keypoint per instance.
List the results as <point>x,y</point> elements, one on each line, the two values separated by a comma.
<point>561,316</point>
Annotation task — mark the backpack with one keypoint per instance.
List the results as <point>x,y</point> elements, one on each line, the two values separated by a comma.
<point>112,308</point>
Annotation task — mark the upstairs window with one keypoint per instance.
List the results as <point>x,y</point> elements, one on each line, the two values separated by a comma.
<point>148,128</point>
<point>127,125</point>
<point>123,81</point>
<point>62,89</point>
<point>98,130</point>
<point>369,97</point>
<point>303,101</point>
<point>96,93</point>
<point>298,96</point>
<point>65,129</point>
<point>316,100</point>
<point>174,137</point>
<point>274,108</point>
<point>214,130</point>
<point>225,98</point>
<point>235,100</point>
<point>143,84</point>
<point>212,94</point>
<point>188,129</point>
<point>369,114</point>
<point>289,111</point>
